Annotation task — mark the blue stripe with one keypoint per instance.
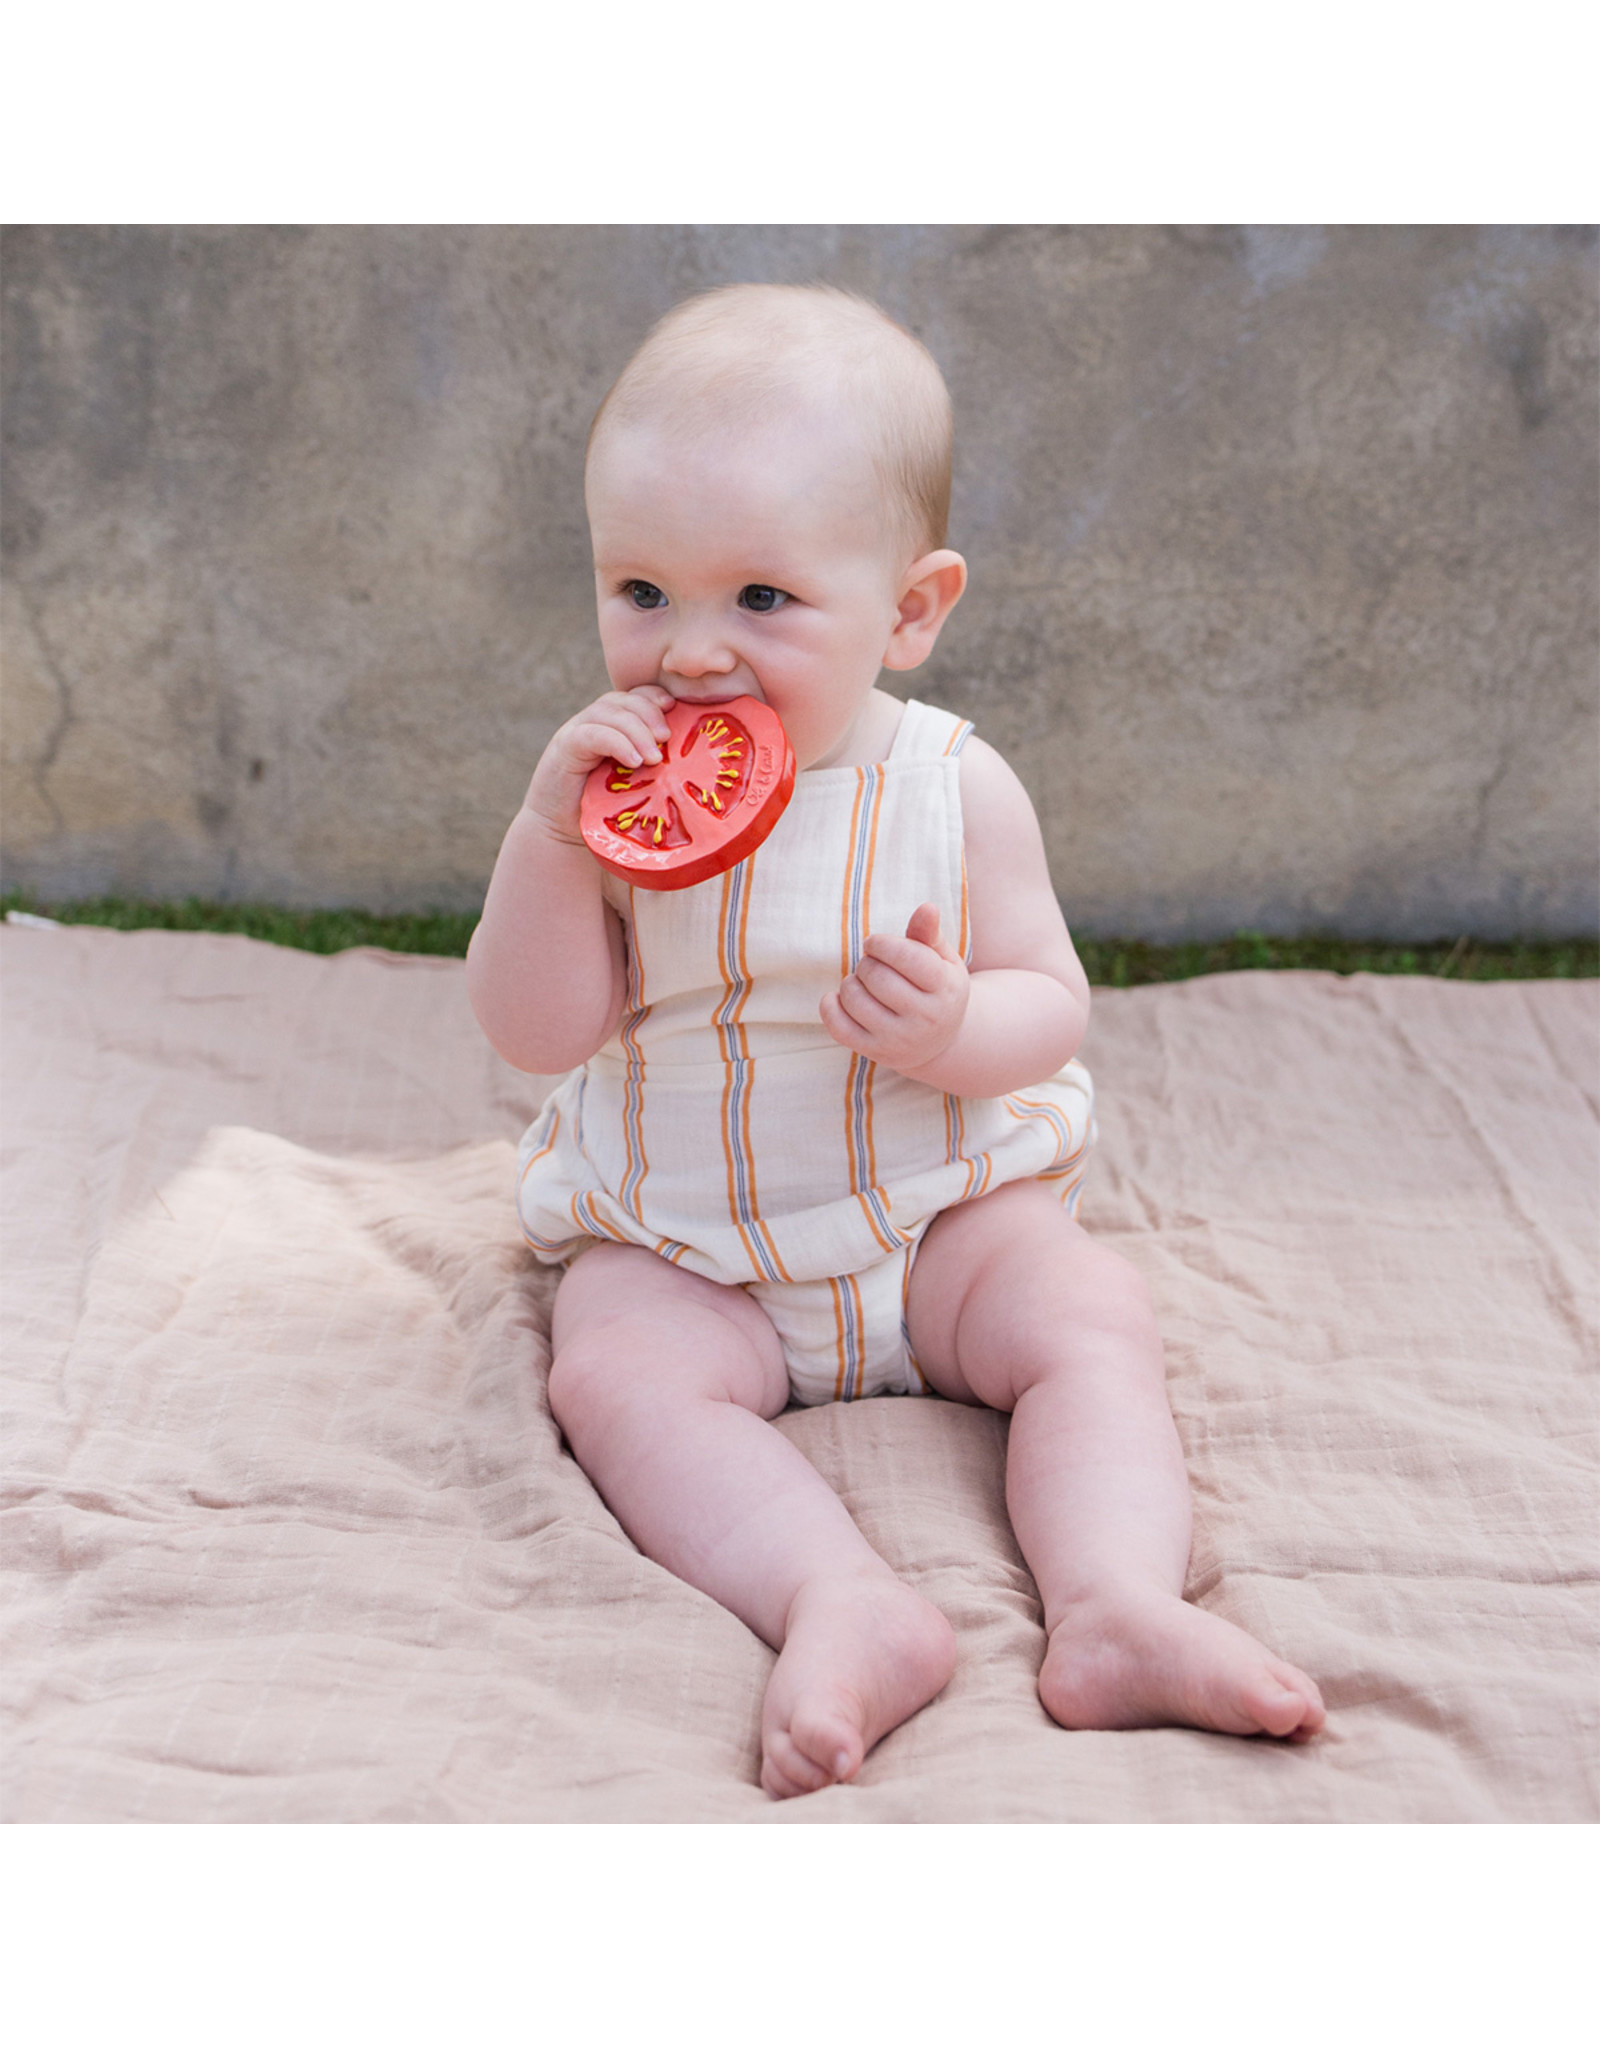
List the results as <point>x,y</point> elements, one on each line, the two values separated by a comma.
<point>739,1067</point>
<point>871,778</point>
<point>1058,1122</point>
<point>546,1244</point>
<point>882,1214</point>
<point>858,1111</point>
<point>633,1102</point>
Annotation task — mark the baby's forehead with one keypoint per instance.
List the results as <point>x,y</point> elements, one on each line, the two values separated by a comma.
<point>804,437</point>
<point>729,400</point>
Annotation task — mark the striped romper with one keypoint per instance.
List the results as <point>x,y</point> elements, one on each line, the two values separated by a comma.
<point>722,1127</point>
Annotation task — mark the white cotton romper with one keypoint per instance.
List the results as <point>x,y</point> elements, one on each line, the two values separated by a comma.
<point>725,1130</point>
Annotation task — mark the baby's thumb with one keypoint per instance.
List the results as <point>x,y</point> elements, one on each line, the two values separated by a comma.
<point>924,927</point>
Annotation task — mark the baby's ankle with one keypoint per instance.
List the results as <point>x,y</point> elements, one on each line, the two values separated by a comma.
<point>1093,1603</point>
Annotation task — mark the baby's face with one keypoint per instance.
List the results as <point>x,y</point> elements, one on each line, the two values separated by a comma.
<point>762,566</point>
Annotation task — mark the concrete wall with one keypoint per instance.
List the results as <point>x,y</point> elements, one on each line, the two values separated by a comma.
<point>1283,545</point>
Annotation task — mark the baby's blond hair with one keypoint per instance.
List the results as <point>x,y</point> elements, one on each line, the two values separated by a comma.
<point>728,359</point>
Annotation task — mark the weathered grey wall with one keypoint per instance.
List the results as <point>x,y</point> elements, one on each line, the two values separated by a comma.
<point>1283,545</point>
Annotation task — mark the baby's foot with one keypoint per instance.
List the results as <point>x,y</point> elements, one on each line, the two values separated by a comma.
<point>860,1656</point>
<point>1155,1661</point>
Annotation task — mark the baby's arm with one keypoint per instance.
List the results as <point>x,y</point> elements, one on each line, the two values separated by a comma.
<point>1021,1012</point>
<point>546,972</point>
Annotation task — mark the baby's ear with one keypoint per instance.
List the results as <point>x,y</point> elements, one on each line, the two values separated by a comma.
<point>929,593</point>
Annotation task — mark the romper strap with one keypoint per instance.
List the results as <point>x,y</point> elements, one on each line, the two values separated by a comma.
<point>927,734</point>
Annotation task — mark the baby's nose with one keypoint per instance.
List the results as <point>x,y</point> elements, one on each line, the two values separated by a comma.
<point>698,654</point>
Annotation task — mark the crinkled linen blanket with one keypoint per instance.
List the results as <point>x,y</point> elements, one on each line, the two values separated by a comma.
<point>289,1533</point>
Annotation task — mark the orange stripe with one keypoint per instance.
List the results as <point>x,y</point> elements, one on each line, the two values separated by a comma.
<point>859,1064</point>
<point>744,1045</point>
<point>872,854</point>
<point>861,1336</point>
<point>964,944</point>
<point>838,1325</point>
<point>748,1233</point>
<point>1061,1172</point>
<point>905,1304</point>
<point>845,962</point>
<point>856,1060</point>
<point>597,1224</point>
<point>889,1244</point>
<point>727,1080</point>
<point>636,1062</point>
<point>747,1237</point>
<point>1031,1112</point>
<point>850,1124</point>
<point>866,932</point>
<point>543,1152</point>
<point>978,1168</point>
<point>544,1244</point>
<point>767,1240</point>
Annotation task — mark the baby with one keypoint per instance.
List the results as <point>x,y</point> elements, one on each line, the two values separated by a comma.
<point>824,1134</point>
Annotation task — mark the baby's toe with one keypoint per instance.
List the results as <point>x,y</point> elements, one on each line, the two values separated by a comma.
<point>1285,1702</point>
<point>787,1772</point>
<point>1315,1714</point>
<point>829,1741</point>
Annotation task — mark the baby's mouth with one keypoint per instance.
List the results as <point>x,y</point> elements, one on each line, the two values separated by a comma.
<point>717,696</point>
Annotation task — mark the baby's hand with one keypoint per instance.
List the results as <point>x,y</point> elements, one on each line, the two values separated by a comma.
<point>905,1002</point>
<point>629,726</point>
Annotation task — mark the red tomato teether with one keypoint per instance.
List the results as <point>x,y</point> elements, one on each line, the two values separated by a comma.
<point>726,773</point>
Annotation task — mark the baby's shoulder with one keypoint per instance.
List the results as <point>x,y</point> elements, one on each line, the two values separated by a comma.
<point>988,778</point>
<point>998,824</point>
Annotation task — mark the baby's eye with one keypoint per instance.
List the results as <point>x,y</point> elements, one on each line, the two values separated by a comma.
<point>645,596</point>
<point>761,597</point>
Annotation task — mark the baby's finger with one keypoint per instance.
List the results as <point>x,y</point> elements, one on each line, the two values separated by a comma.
<point>924,928</point>
<point>896,991</point>
<point>863,1008</point>
<point>622,737</point>
<point>636,713</point>
<point>642,730</point>
<point>918,963</point>
<point>843,1029</point>
<point>657,702</point>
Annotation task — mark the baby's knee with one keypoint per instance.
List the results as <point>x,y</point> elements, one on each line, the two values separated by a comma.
<point>589,1389</point>
<point>1084,1283</point>
<point>1038,1247</point>
<point>631,1355</point>
<point>1113,1284</point>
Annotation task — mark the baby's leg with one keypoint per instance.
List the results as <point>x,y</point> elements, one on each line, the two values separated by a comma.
<point>664,1385</point>
<point>1013,1305</point>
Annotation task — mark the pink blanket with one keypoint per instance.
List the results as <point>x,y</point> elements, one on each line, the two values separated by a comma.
<point>289,1533</point>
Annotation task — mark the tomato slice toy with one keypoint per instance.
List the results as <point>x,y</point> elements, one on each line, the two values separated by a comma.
<point>724,779</point>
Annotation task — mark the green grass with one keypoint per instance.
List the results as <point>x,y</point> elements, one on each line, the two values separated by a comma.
<point>1128,963</point>
<point>311,931</point>
<point>1111,963</point>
